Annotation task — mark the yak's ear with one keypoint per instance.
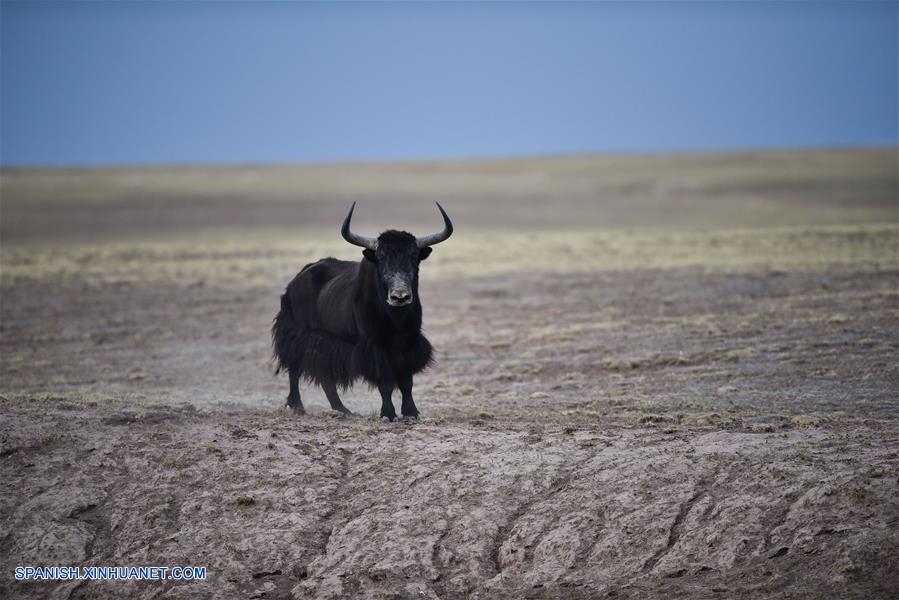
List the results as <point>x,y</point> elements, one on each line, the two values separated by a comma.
<point>424,253</point>
<point>370,255</point>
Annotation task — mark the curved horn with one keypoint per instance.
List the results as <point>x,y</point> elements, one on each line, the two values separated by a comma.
<point>436,238</point>
<point>356,240</point>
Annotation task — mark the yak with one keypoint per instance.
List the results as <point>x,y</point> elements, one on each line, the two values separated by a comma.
<point>344,320</point>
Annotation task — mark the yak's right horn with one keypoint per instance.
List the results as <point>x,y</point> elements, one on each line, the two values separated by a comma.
<point>356,240</point>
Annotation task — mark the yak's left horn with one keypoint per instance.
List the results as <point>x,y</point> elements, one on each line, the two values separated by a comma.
<point>436,238</point>
<point>356,240</point>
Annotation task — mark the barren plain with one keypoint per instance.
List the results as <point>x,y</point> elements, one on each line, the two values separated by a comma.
<point>657,376</point>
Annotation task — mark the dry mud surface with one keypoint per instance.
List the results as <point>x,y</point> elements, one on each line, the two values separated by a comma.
<point>623,406</point>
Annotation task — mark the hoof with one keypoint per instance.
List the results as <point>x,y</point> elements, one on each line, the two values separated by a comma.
<point>297,410</point>
<point>410,418</point>
<point>387,419</point>
<point>346,412</point>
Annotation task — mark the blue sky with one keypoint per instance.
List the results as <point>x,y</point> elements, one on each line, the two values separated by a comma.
<point>130,83</point>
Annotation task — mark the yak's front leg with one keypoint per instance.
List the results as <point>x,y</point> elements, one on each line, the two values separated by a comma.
<point>387,410</point>
<point>408,409</point>
<point>293,397</point>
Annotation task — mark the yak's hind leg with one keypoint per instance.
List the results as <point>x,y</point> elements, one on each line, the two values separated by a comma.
<point>293,397</point>
<point>330,390</point>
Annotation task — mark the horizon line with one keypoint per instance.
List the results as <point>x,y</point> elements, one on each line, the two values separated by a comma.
<point>699,152</point>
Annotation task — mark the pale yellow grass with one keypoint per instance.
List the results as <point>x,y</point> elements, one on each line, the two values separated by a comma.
<point>262,259</point>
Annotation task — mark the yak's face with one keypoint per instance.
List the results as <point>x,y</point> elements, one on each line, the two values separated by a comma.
<point>397,257</point>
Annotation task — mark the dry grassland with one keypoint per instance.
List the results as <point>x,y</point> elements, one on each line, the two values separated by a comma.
<point>657,376</point>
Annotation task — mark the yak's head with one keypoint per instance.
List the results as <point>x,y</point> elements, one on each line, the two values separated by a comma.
<point>396,254</point>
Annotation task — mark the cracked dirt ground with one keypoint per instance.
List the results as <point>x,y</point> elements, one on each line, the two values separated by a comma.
<point>622,407</point>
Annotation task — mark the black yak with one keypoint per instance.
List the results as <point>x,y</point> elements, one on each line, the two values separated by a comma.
<point>342,320</point>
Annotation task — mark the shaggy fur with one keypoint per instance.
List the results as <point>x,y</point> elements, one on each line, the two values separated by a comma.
<point>335,325</point>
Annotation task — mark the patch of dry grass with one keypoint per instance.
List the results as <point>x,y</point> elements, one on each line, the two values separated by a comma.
<point>258,261</point>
